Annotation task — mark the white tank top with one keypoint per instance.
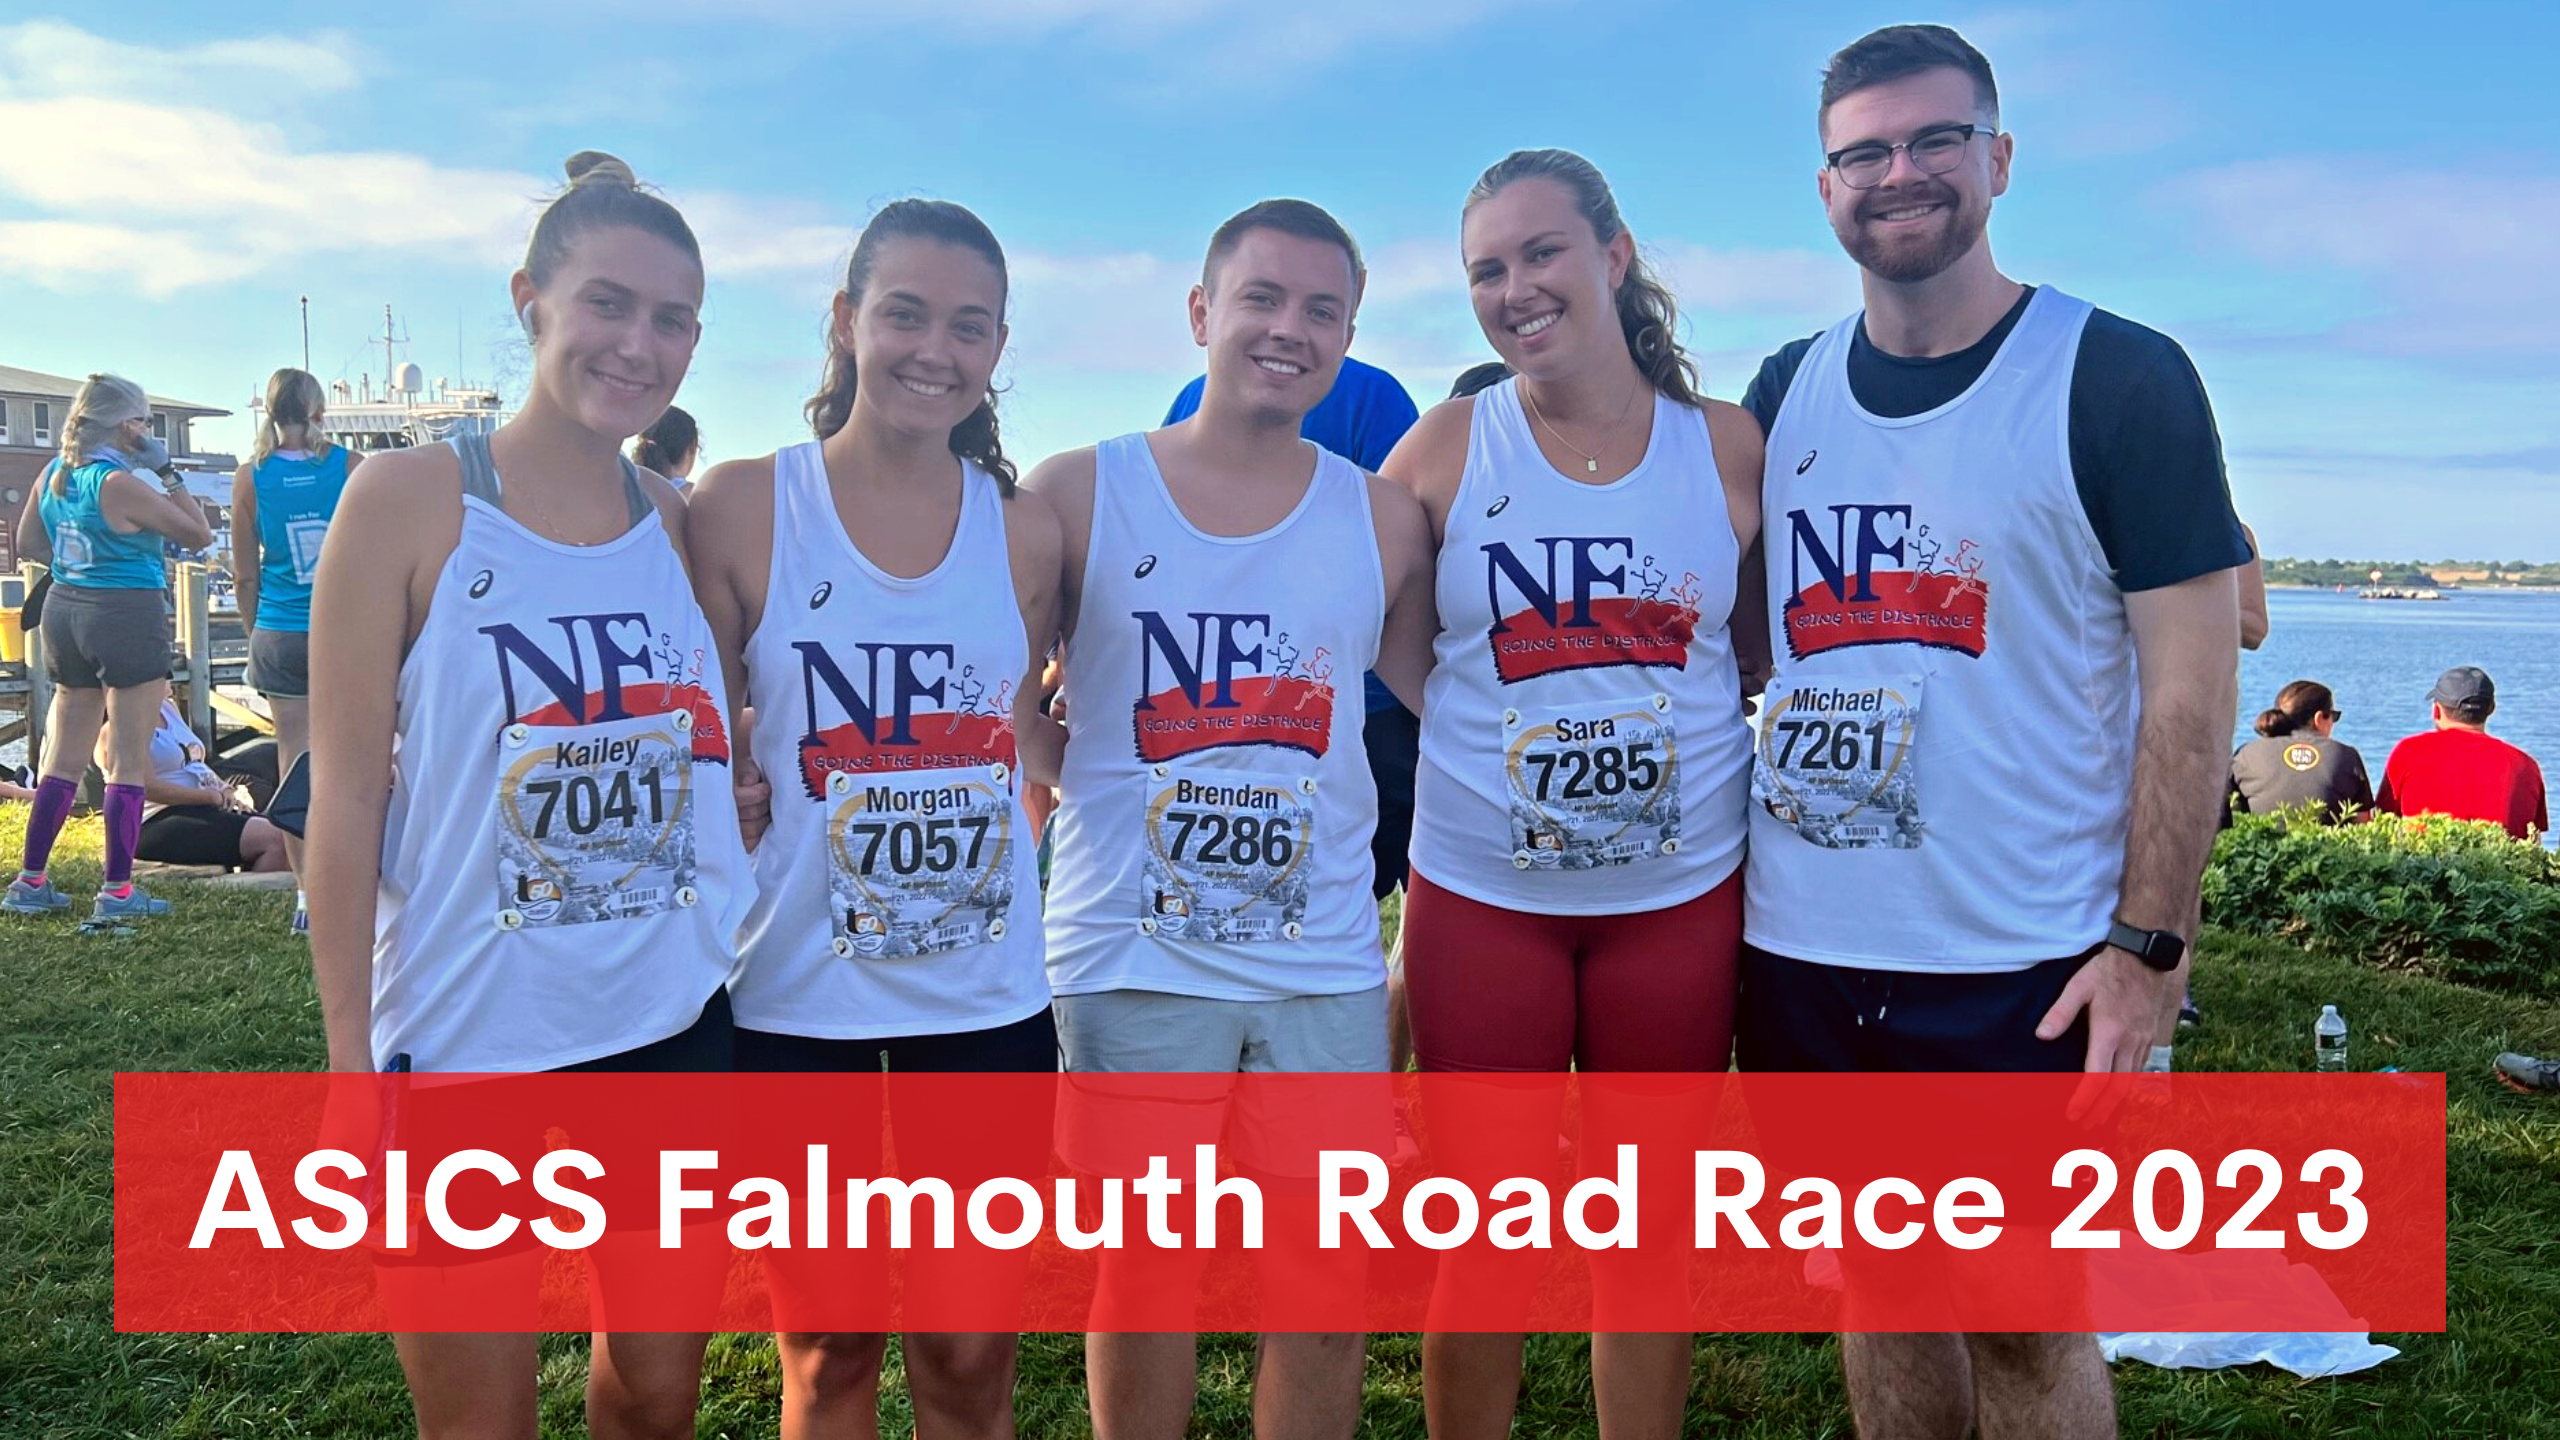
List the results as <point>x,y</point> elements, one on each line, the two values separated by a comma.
<point>1945,756</point>
<point>562,876</point>
<point>1583,747</point>
<point>1216,808</point>
<point>898,892</point>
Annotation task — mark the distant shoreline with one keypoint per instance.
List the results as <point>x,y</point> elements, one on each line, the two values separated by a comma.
<point>2454,589</point>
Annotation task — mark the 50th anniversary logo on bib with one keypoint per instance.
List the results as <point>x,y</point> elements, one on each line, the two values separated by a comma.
<point>1837,765</point>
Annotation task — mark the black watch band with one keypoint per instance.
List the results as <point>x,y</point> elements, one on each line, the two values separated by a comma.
<point>2159,949</point>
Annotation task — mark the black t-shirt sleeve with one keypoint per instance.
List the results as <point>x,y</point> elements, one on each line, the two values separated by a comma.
<point>1768,389</point>
<point>2147,458</point>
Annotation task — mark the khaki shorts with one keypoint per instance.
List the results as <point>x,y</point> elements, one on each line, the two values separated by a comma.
<point>1108,1127</point>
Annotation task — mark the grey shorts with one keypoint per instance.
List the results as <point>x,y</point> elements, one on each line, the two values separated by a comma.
<point>106,639</point>
<point>280,663</point>
<point>1110,1129</point>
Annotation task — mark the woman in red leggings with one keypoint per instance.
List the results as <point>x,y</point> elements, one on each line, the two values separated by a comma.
<point>1576,895</point>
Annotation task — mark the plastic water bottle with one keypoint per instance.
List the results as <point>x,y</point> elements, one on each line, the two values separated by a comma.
<point>2329,1040</point>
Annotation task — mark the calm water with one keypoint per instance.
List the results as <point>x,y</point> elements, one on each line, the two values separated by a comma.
<point>2382,656</point>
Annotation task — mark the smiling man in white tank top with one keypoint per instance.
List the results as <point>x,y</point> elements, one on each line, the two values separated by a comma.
<point>1208,910</point>
<point>1998,532</point>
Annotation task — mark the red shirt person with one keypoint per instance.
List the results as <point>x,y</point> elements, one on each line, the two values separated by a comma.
<point>2459,769</point>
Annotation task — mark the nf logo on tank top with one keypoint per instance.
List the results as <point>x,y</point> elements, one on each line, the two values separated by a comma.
<point>885,725</point>
<point>1569,607</point>
<point>1933,593</point>
<point>606,668</point>
<point>1235,680</point>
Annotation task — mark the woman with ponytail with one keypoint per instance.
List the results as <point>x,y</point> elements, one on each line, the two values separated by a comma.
<point>1575,900</point>
<point>2295,761</point>
<point>882,597</point>
<point>670,446</point>
<point>281,503</point>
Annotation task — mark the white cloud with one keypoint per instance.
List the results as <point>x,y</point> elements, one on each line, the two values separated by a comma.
<point>47,57</point>
<point>2458,264</point>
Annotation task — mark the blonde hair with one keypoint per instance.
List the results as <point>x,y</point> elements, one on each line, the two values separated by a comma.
<point>104,402</point>
<point>294,405</point>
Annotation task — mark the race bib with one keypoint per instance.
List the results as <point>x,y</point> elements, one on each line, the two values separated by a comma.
<point>304,536</point>
<point>595,822</point>
<point>1592,784</point>
<point>1227,854</point>
<point>919,861</point>
<point>1836,763</point>
<point>71,547</point>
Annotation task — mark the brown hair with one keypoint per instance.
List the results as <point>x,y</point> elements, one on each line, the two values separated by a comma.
<point>1647,314</point>
<point>1881,57</point>
<point>294,401</point>
<point>2296,705</point>
<point>602,195</point>
<point>665,441</point>
<point>976,438</point>
<point>1302,218</point>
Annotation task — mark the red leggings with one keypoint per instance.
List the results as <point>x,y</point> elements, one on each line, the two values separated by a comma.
<point>1491,989</point>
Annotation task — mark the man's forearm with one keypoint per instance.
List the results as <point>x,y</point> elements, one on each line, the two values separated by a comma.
<point>2179,768</point>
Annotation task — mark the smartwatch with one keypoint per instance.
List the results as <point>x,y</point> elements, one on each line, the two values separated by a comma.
<point>2159,949</point>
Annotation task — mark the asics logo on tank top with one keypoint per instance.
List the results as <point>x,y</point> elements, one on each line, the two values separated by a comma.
<point>819,596</point>
<point>605,668</point>
<point>481,582</point>
<point>1584,602</point>
<point>1500,504</point>
<point>1146,567</point>
<point>1932,593</point>
<point>1235,681</point>
<point>888,707</point>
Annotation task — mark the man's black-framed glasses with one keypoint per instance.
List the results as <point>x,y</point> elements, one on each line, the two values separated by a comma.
<point>1933,152</point>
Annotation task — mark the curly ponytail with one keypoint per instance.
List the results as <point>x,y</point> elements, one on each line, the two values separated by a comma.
<point>1647,314</point>
<point>974,439</point>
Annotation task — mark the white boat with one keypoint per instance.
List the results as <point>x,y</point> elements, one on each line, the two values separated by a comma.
<point>406,412</point>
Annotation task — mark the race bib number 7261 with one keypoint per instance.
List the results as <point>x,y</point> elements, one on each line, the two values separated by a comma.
<point>1836,762</point>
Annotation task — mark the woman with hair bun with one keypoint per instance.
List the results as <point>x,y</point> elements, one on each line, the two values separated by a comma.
<point>281,503</point>
<point>2295,761</point>
<point>497,619</point>
<point>1575,901</point>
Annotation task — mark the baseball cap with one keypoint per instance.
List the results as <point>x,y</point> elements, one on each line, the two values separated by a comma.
<point>2465,689</point>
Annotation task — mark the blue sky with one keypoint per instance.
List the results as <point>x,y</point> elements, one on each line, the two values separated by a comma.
<point>2350,215</point>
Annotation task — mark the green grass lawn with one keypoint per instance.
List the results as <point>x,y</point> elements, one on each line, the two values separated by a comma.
<point>222,986</point>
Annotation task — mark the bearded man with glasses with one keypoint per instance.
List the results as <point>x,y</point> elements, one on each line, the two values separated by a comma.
<point>1998,531</point>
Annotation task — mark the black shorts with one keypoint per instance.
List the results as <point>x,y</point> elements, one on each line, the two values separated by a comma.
<point>280,663</point>
<point>106,639</point>
<point>1800,1016</point>
<point>192,835</point>
<point>1027,1047</point>
<point>1393,738</point>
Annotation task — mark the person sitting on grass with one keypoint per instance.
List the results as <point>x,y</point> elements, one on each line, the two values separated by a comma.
<point>2459,769</point>
<point>193,816</point>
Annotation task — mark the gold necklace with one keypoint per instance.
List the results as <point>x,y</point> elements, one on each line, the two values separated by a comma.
<point>1590,458</point>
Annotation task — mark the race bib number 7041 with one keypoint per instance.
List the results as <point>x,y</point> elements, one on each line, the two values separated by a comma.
<point>595,822</point>
<point>1837,765</point>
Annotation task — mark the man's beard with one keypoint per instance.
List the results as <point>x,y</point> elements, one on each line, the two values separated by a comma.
<point>1914,257</point>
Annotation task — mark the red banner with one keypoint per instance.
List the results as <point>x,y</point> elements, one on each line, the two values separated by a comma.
<point>1617,631</point>
<point>1947,611</point>
<point>1284,710</point>
<point>1178,1202</point>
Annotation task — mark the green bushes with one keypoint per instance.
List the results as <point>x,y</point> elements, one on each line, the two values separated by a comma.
<point>2458,900</point>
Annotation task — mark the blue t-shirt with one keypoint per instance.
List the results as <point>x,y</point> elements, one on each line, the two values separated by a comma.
<point>296,498</point>
<point>1360,419</point>
<point>89,553</point>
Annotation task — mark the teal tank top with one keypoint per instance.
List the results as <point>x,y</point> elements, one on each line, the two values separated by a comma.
<point>296,498</point>
<point>87,551</point>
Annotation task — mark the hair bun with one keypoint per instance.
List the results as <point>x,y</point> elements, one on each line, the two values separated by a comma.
<point>595,167</point>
